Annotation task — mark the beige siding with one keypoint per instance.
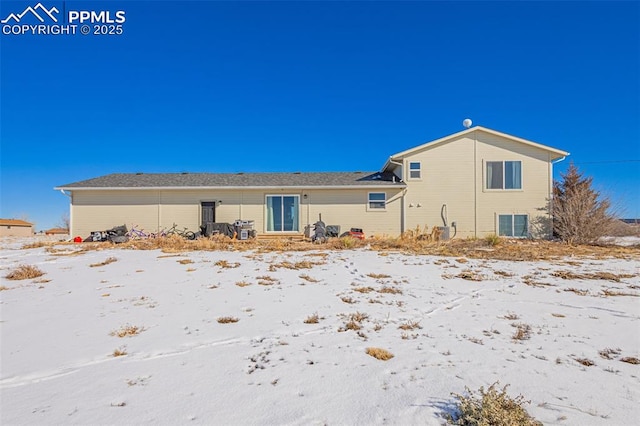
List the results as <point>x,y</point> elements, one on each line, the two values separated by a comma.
<point>15,231</point>
<point>453,174</point>
<point>152,209</point>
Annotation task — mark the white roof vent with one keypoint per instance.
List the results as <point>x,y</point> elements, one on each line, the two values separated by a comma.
<point>467,122</point>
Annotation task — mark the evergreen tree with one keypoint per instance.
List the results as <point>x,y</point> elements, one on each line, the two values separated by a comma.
<point>580,214</point>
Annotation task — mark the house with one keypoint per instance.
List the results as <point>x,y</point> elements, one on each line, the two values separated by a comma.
<point>15,228</point>
<point>56,231</point>
<point>472,183</point>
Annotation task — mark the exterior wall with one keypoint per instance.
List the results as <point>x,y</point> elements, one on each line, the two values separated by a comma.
<point>15,231</point>
<point>152,210</point>
<point>453,174</point>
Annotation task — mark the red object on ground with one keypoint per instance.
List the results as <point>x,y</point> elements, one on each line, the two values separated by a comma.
<point>77,240</point>
<point>356,234</point>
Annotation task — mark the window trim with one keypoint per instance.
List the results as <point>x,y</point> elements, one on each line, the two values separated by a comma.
<point>485,173</point>
<point>513,215</point>
<point>409,170</point>
<point>266,196</point>
<point>376,209</point>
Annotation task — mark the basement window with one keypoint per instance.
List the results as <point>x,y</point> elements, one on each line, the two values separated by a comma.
<point>513,225</point>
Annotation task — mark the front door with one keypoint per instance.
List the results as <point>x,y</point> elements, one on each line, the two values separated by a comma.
<point>208,212</point>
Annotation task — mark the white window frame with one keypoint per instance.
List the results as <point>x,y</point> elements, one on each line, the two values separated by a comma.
<point>419,170</point>
<point>503,188</point>
<point>513,215</point>
<point>266,214</point>
<point>376,209</point>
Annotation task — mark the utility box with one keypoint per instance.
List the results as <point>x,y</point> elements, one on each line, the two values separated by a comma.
<point>445,232</point>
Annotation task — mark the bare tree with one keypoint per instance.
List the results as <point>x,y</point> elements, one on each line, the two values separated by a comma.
<point>580,214</point>
<point>64,221</point>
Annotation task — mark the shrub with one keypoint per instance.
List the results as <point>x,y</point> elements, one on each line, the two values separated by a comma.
<point>492,240</point>
<point>381,354</point>
<point>580,214</point>
<point>491,407</point>
<point>24,272</point>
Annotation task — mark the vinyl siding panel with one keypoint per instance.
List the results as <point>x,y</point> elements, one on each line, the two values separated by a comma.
<point>530,200</point>
<point>453,174</point>
<point>152,210</point>
<point>447,179</point>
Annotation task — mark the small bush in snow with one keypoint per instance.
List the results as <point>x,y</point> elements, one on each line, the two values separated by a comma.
<point>491,407</point>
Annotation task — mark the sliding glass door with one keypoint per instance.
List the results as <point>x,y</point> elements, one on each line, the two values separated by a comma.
<point>283,212</point>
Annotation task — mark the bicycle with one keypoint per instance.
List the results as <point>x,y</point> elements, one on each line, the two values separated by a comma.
<point>185,233</point>
<point>136,234</point>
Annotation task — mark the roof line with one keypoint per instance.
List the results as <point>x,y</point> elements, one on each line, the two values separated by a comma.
<point>438,141</point>
<point>136,188</point>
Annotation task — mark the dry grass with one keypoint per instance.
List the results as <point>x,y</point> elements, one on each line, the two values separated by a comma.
<point>267,280</point>
<point>390,290</point>
<point>308,278</point>
<point>608,276</point>
<point>608,353</point>
<point>378,276</point>
<point>363,289</point>
<point>630,360</point>
<point>508,249</point>
<point>184,261</point>
<point>24,272</point>
<point>511,316</point>
<point>491,407</point>
<point>577,291</point>
<point>358,316</point>
<point>608,292</point>
<point>127,331</point>
<point>312,319</point>
<point>3,288</point>
<point>103,263</point>
<point>470,275</point>
<point>243,284</point>
<point>227,320</point>
<point>226,264</point>
<point>410,325</point>
<point>379,353</point>
<point>523,331</point>
<point>347,299</point>
<point>122,351</point>
<point>304,264</point>
<point>585,361</point>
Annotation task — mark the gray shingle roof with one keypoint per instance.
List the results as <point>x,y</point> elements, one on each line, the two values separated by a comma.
<point>221,180</point>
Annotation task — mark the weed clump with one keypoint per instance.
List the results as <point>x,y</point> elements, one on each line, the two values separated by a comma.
<point>379,353</point>
<point>491,407</point>
<point>24,272</point>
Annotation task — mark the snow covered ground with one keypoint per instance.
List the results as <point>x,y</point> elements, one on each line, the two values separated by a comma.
<point>449,322</point>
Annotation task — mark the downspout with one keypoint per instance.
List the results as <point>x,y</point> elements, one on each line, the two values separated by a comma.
<point>550,213</point>
<point>475,184</point>
<point>403,214</point>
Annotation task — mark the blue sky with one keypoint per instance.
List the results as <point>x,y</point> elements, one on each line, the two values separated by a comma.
<point>312,86</point>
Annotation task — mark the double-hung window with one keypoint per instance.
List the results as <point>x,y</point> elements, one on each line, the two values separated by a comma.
<point>377,201</point>
<point>513,225</point>
<point>504,175</point>
<point>415,171</point>
<point>283,212</point>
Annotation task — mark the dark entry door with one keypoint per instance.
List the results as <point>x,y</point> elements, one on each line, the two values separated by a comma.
<point>208,212</point>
